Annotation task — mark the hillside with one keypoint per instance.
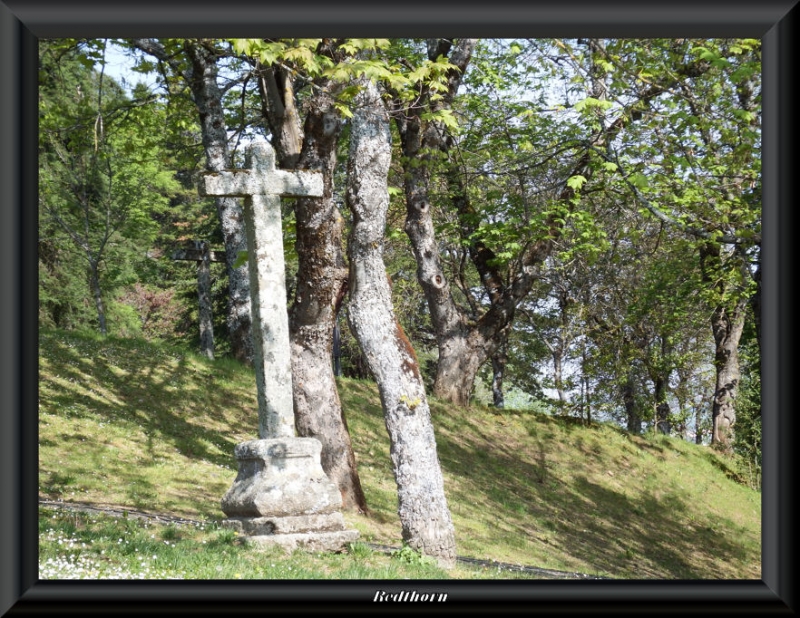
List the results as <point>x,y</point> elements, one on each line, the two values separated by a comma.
<point>123,422</point>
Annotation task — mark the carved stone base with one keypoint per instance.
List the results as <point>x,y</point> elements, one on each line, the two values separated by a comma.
<point>281,496</point>
<point>316,541</point>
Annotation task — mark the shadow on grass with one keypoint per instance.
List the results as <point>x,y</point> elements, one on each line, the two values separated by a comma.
<point>149,394</point>
<point>159,400</point>
<point>635,538</point>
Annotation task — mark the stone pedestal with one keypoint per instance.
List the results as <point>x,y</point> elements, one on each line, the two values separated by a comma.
<point>281,496</point>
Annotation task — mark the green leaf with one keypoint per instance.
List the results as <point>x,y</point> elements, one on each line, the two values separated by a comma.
<point>639,180</point>
<point>241,259</point>
<point>576,182</point>
<point>445,116</point>
<point>592,103</point>
<point>343,110</point>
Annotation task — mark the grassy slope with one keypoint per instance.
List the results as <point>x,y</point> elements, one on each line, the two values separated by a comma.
<point>128,423</point>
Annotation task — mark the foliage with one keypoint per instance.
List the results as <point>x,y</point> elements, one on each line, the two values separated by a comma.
<point>102,180</point>
<point>409,555</point>
<point>156,311</point>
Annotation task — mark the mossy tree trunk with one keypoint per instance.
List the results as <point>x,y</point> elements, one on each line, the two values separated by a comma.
<point>422,505</point>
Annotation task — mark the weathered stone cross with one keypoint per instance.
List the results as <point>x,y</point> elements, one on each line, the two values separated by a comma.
<point>281,494</point>
<point>262,186</point>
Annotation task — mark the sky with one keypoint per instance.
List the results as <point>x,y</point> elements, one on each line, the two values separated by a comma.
<point>118,66</point>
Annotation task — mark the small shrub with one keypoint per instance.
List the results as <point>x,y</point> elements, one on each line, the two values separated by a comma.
<point>224,536</point>
<point>409,555</point>
<point>359,550</point>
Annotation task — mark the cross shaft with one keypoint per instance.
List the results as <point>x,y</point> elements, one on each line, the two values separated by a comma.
<point>262,187</point>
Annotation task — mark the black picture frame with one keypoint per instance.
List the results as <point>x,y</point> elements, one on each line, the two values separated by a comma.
<point>23,21</point>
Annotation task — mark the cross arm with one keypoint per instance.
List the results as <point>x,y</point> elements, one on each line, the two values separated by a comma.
<point>245,183</point>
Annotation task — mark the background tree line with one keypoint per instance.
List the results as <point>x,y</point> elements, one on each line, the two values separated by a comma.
<point>574,224</point>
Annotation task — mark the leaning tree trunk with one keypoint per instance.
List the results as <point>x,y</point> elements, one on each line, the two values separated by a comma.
<point>321,276</point>
<point>422,506</point>
<point>202,81</point>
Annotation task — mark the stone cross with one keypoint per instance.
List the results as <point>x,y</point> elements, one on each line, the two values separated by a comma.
<point>281,495</point>
<point>262,186</point>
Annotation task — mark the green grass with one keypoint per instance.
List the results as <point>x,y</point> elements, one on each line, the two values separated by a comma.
<point>83,546</point>
<point>127,423</point>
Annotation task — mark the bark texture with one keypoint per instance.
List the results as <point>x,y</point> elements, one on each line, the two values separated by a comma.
<point>422,505</point>
<point>321,275</point>
<point>94,279</point>
<point>633,420</point>
<point>727,327</point>
<point>727,324</point>
<point>200,74</point>
<point>419,139</point>
<point>322,271</point>
<point>204,301</point>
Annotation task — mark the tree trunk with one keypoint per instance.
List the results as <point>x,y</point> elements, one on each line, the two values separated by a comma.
<point>727,324</point>
<point>456,369</point>
<point>499,361</point>
<point>204,298</point>
<point>337,348</point>
<point>202,81</point>
<point>422,505</point>
<point>558,374</point>
<point>663,424</point>
<point>280,112</point>
<point>634,421</point>
<point>94,280</point>
<point>727,328</point>
<point>698,419</point>
<point>321,276</point>
<point>586,398</point>
<point>455,372</point>
<point>201,78</point>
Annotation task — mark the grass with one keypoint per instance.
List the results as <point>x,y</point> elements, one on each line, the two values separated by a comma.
<point>82,546</point>
<point>127,423</point>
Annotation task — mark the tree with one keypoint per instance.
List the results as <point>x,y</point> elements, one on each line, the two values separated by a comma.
<point>422,505</point>
<point>100,180</point>
<point>321,272</point>
<point>699,172</point>
<point>421,138</point>
<point>623,97</point>
<point>195,62</point>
